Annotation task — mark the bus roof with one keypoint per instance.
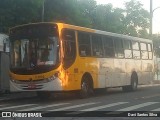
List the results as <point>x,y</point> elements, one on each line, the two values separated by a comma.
<point>104,32</point>
<point>74,27</point>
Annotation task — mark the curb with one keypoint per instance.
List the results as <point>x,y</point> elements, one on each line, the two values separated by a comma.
<point>152,83</point>
<point>149,85</point>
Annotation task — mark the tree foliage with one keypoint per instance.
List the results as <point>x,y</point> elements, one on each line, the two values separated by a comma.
<point>136,19</point>
<point>15,12</point>
<point>133,20</point>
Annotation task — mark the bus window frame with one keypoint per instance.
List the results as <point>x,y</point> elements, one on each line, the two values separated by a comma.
<point>151,45</point>
<point>116,39</point>
<point>103,44</point>
<point>78,43</point>
<point>102,50</point>
<point>144,50</point>
<point>136,50</point>
<point>128,49</point>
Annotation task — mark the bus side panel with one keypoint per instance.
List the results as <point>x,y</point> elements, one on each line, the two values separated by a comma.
<point>147,68</point>
<point>119,72</point>
<point>102,72</point>
<point>133,65</point>
<point>137,67</point>
<point>106,70</point>
<point>74,74</point>
<point>70,79</point>
<point>129,66</point>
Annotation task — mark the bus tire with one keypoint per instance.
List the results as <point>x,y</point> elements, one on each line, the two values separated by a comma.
<point>86,87</point>
<point>133,85</point>
<point>43,94</point>
<point>134,82</point>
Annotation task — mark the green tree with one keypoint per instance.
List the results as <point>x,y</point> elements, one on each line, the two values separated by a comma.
<point>101,17</point>
<point>136,19</point>
<point>69,11</point>
<point>156,44</point>
<point>107,18</point>
<point>16,12</point>
<point>133,20</point>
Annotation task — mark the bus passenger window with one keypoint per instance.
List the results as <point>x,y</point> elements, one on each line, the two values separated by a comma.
<point>84,44</point>
<point>83,50</point>
<point>144,52</point>
<point>97,48</point>
<point>119,51</point>
<point>108,47</point>
<point>136,50</point>
<point>127,48</point>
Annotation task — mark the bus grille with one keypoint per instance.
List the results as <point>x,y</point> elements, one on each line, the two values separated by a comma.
<point>31,87</point>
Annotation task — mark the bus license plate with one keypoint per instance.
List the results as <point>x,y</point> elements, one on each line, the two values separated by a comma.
<point>32,86</point>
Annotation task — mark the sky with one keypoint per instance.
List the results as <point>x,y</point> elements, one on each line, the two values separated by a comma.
<point>146,5</point>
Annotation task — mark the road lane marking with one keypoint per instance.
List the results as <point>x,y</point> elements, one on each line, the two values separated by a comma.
<point>150,85</point>
<point>71,107</point>
<point>132,108</point>
<point>151,96</point>
<point>137,106</point>
<point>97,108</point>
<point>104,106</point>
<point>3,105</point>
<point>148,97</point>
<point>17,106</point>
<point>41,107</point>
<point>158,109</point>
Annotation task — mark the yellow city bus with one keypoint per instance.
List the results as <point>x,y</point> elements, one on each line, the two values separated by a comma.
<point>47,57</point>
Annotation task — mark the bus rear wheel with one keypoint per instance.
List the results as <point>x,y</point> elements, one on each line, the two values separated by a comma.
<point>86,87</point>
<point>134,84</point>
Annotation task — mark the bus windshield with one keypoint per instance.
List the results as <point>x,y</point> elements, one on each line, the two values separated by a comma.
<point>36,50</point>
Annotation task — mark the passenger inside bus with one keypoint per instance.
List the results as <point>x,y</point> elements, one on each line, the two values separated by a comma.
<point>43,57</point>
<point>33,61</point>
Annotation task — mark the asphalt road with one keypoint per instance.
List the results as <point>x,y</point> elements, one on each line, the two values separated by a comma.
<point>142,103</point>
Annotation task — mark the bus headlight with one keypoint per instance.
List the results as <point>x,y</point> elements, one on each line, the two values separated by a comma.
<point>54,76</point>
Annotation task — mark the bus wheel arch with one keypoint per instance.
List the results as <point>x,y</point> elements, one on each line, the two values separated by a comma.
<point>87,85</point>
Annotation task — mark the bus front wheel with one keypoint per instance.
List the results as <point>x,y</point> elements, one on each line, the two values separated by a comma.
<point>86,87</point>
